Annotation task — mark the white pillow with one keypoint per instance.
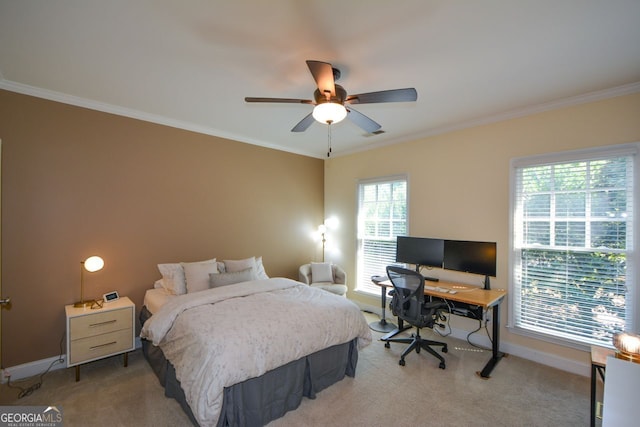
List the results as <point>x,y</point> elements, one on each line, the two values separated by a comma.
<point>260,271</point>
<point>321,272</point>
<point>221,268</point>
<point>232,266</point>
<point>224,279</point>
<point>173,279</point>
<point>242,264</point>
<point>197,274</point>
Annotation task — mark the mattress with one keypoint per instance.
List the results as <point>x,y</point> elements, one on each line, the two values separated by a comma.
<point>156,298</point>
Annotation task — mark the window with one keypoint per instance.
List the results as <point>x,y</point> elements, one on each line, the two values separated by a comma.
<point>382,216</point>
<point>573,245</point>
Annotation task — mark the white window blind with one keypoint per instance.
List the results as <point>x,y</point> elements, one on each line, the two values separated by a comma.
<point>572,243</point>
<point>382,216</point>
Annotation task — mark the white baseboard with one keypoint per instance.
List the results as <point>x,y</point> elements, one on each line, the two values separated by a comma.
<point>548,359</point>
<point>31,369</point>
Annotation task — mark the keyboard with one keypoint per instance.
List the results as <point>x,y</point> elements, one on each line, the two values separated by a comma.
<point>440,289</point>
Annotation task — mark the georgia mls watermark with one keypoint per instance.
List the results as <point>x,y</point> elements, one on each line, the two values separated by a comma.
<point>30,416</point>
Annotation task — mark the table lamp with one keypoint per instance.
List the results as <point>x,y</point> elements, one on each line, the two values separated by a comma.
<point>627,346</point>
<point>91,264</point>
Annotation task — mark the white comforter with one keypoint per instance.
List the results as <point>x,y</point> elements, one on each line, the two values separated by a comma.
<point>222,336</point>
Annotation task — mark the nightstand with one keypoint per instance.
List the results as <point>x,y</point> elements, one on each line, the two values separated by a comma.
<point>94,334</point>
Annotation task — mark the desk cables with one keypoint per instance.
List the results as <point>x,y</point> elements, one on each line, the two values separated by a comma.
<point>476,330</point>
<point>442,317</point>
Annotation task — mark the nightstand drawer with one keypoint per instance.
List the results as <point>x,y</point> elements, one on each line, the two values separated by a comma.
<point>100,323</point>
<point>100,345</point>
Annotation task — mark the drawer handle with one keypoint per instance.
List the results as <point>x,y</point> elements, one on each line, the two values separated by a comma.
<point>93,325</point>
<point>103,345</point>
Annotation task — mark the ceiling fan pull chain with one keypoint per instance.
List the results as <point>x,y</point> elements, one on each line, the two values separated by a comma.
<point>329,139</point>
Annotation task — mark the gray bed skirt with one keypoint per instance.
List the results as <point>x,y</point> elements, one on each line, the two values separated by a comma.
<point>257,401</point>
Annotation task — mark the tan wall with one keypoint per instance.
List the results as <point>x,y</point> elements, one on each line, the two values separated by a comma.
<point>77,182</point>
<point>459,182</point>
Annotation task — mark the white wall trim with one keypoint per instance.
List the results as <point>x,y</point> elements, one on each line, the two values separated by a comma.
<point>134,114</point>
<point>12,86</point>
<point>516,113</point>
<point>38,367</point>
<point>31,369</point>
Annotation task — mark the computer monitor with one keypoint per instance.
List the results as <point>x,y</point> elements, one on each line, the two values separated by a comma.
<point>421,251</point>
<point>471,257</point>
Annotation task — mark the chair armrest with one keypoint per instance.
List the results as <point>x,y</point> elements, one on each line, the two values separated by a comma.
<point>304,274</point>
<point>339,276</point>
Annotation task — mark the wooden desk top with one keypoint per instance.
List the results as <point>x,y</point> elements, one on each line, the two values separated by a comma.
<point>465,293</point>
<point>599,355</point>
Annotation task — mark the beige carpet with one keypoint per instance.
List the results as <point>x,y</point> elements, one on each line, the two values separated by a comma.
<point>519,393</point>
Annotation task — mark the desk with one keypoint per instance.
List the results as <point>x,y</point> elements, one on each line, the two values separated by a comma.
<point>598,364</point>
<point>476,296</point>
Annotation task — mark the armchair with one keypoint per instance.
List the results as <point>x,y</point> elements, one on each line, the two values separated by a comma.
<point>329,277</point>
<point>409,304</point>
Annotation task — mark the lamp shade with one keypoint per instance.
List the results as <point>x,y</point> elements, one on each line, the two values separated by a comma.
<point>93,263</point>
<point>627,346</point>
<point>329,112</point>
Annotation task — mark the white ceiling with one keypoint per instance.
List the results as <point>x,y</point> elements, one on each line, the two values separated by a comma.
<point>189,64</point>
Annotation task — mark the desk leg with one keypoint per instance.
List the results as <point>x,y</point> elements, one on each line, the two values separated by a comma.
<point>383,325</point>
<point>593,395</point>
<point>496,355</point>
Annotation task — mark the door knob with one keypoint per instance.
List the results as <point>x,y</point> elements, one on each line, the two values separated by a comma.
<point>5,301</point>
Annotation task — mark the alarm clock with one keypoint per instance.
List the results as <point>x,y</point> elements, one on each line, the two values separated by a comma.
<point>110,296</point>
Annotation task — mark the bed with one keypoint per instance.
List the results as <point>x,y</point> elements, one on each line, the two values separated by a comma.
<point>244,355</point>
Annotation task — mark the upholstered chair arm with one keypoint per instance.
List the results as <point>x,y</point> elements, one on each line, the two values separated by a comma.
<point>340,276</point>
<point>304,274</point>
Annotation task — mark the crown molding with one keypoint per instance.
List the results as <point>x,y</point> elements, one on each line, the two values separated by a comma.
<point>134,114</point>
<point>557,104</point>
<point>9,85</point>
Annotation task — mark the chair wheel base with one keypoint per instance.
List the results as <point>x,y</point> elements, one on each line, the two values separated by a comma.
<point>445,350</point>
<point>401,362</point>
<point>442,365</point>
<point>387,345</point>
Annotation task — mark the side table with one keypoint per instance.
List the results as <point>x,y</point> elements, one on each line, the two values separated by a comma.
<point>382,325</point>
<point>94,334</point>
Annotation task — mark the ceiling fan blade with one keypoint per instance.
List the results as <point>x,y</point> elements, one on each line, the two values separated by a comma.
<point>394,95</point>
<point>322,73</point>
<point>304,123</point>
<point>363,121</point>
<point>279,100</point>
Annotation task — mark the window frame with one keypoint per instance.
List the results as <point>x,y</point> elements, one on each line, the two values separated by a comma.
<point>363,285</point>
<point>632,271</point>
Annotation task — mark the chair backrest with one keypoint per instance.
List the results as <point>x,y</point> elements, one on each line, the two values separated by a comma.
<point>408,299</point>
<point>339,275</point>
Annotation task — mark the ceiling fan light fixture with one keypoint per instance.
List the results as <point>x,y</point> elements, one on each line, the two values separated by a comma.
<point>329,112</point>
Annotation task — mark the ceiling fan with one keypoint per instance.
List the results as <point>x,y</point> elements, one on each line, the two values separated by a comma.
<point>332,104</point>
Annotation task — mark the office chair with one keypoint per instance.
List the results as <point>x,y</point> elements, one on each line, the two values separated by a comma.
<point>409,304</point>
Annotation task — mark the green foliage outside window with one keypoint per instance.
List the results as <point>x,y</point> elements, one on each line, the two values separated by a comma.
<point>571,241</point>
